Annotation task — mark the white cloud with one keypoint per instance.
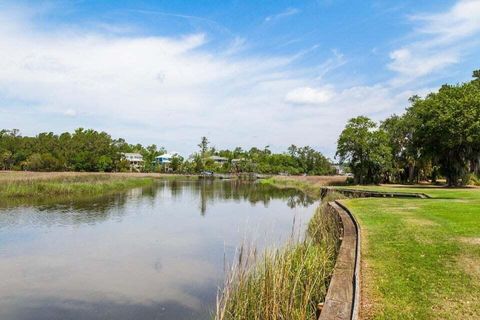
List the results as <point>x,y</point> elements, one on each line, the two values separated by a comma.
<point>462,20</point>
<point>308,95</point>
<point>415,66</point>
<point>288,12</point>
<point>70,112</point>
<point>441,40</point>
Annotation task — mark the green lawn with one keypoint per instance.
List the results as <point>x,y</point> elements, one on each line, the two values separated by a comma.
<point>420,257</point>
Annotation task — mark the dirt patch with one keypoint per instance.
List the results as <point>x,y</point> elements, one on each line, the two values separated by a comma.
<point>465,305</point>
<point>369,299</point>
<point>407,208</point>
<point>471,264</point>
<point>403,209</point>
<point>470,240</point>
<point>423,239</point>
<point>420,222</point>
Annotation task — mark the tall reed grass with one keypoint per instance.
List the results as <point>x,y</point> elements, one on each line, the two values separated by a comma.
<point>286,283</point>
<point>68,185</point>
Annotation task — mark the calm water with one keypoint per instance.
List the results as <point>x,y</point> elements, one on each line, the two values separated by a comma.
<point>152,253</point>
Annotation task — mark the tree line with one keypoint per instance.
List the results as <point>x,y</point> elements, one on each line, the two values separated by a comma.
<point>93,151</point>
<point>295,161</point>
<point>437,136</point>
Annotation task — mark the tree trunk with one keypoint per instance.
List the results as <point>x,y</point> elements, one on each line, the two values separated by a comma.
<point>434,175</point>
<point>452,180</point>
<point>474,166</point>
<point>411,172</point>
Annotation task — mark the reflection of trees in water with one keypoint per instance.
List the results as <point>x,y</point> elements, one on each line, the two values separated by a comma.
<point>211,191</point>
<point>176,188</point>
<point>88,209</point>
<point>70,210</point>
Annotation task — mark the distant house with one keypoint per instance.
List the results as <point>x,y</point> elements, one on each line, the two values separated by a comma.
<point>166,158</point>
<point>134,159</point>
<point>218,159</point>
<point>339,169</point>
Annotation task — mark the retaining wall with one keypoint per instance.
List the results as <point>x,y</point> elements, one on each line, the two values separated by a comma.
<point>343,296</point>
<point>355,193</point>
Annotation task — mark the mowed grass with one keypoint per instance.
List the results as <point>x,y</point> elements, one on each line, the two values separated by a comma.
<point>420,257</point>
<point>31,185</point>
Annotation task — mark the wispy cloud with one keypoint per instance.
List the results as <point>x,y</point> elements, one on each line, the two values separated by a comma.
<point>308,95</point>
<point>288,12</point>
<point>461,21</point>
<point>331,64</point>
<point>192,18</point>
<point>440,40</point>
<point>411,63</point>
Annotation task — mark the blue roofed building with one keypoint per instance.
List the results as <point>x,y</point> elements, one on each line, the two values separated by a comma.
<point>166,158</point>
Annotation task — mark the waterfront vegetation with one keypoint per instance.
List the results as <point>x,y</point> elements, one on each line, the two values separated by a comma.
<point>287,282</point>
<point>92,151</point>
<point>22,185</point>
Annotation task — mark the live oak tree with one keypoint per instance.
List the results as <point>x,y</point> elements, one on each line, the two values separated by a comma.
<point>406,159</point>
<point>448,128</point>
<point>365,149</point>
<point>438,134</point>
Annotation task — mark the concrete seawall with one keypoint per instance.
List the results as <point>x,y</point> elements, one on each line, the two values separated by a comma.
<point>355,193</point>
<point>343,296</point>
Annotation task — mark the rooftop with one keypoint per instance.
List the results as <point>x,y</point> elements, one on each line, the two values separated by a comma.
<point>218,158</point>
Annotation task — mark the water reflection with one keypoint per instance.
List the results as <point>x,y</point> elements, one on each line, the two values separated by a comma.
<point>149,253</point>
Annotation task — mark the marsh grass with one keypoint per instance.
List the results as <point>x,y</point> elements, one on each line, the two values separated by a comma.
<point>68,184</point>
<point>286,283</point>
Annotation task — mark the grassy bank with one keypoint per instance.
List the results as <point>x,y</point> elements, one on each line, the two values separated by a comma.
<point>309,184</point>
<point>286,283</point>
<point>420,257</point>
<point>22,185</point>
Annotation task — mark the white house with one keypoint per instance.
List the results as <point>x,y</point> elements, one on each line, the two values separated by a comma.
<point>166,158</point>
<point>339,169</point>
<point>135,160</point>
<point>218,159</point>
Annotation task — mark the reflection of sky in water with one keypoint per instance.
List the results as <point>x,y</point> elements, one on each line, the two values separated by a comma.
<point>153,253</point>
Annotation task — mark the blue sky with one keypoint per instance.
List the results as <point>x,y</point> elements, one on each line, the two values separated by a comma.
<point>243,73</point>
